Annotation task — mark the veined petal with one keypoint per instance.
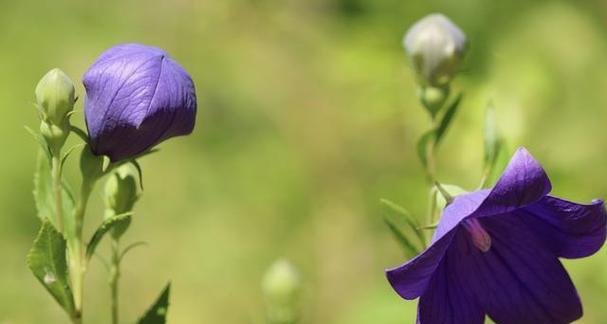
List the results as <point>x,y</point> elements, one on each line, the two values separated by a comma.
<point>523,182</point>
<point>519,280</point>
<point>571,230</point>
<point>448,298</point>
<point>411,279</point>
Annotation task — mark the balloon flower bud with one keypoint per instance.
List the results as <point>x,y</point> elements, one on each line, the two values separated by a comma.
<point>136,97</point>
<point>436,47</point>
<point>281,287</point>
<point>55,99</point>
<point>121,190</point>
<point>121,194</point>
<point>55,95</point>
<point>91,165</point>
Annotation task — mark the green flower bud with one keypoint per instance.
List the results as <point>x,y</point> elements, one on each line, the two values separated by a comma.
<point>434,98</point>
<point>91,165</point>
<point>55,96</point>
<point>121,191</point>
<point>436,47</point>
<point>281,286</point>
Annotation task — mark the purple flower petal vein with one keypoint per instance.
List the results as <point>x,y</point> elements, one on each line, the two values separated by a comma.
<point>136,97</point>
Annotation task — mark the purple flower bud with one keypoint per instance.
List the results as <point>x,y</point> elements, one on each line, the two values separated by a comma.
<point>136,97</point>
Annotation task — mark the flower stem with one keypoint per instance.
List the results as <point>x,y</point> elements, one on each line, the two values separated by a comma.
<point>77,260</point>
<point>57,189</point>
<point>113,281</point>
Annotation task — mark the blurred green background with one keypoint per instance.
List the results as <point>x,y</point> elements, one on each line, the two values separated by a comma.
<point>307,117</point>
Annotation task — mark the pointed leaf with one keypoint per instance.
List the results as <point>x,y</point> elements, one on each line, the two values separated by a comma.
<point>491,137</point>
<point>106,226</point>
<point>447,118</point>
<point>499,164</point>
<point>158,312</point>
<point>404,227</point>
<point>47,261</point>
<point>42,141</point>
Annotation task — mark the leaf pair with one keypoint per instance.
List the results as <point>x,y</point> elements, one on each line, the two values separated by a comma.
<point>404,227</point>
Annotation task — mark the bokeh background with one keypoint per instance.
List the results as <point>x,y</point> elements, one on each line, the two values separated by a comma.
<point>307,117</point>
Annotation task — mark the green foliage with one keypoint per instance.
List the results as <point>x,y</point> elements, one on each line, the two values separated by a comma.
<point>43,194</point>
<point>47,261</point>
<point>116,221</point>
<point>158,312</point>
<point>434,136</point>
<point>404,227</point>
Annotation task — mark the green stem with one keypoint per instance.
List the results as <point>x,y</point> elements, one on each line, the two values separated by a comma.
<point>57,189</point>
<point>77,259</point>
<point>113,281</point>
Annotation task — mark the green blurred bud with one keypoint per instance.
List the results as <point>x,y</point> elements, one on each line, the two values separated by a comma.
<point>121,190</point>
<point>436,47</point>
<point>121,194</point>
<point>55,95</point>
<point>91,165</point>
<point>434,98</point>
<point>281,287</point>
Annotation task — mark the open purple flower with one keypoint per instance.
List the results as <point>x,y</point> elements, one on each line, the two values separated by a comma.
<point>136,97</point>
<point>495,252</point>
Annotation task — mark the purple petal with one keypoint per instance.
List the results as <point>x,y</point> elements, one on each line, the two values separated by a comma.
<point>449,298</point>
<point>411,279</point>
<point>571,230</point>
<point>519,280</point>
<point>523,182</point>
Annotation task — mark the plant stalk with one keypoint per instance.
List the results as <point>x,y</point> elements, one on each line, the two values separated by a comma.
<point>57,189</point>
<point>77,259</point>
<point>113,281</point>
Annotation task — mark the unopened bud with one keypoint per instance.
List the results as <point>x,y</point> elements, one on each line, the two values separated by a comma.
<point>121,190</point>
<point>55,95</point>
<point>281,287</point>
<point>436,47</point>
<point>91,165</point>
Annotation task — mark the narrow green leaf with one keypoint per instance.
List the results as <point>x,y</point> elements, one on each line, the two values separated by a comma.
<point>40,139</point>
<point>501,161</point>
<point>69,152</point>
<point>491,137</point>
<point>47,261</point>
<point>106,226</point>
<point>447,118</point>
<point>139,172</point>
<point>131,246</point>
<point>403,225</point>
<point>81,133</point>
<point>44,197</point>
<point>158,312</point>
<point>422,146</point>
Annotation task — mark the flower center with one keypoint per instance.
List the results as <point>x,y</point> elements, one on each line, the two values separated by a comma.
<point>480,237</point>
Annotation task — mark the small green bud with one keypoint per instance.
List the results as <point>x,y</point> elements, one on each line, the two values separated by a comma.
<point>55,95</point>
<point>437,47</point>
<point>434,98</point>
<point>121,191</point>
<point>91,165</point>
<point>281,286</point>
